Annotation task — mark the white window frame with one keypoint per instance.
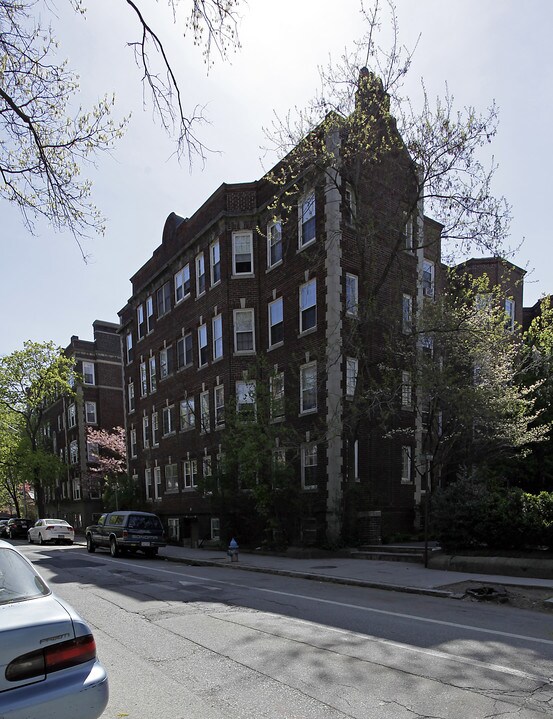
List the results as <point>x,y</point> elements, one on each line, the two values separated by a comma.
<point>309,458</point>
<point>182,284</point>
<point>276,393</point>
<point>246,397</point>
<point>129,347</point>
<point>203,358</point>
<point>148,483</point>
<point>215,262</point>
<point>165,362</point>
<point>350,205</point>
<point>201,281</point>
<point>187,412</point>
<point>219,405</point>
<point>352,370</point>
<point>152,373</point>
<point>305,291</point>
<point>143,380</point>
<point>155,429</point>
<point>140,324</point>
<point>133,443</point>
<point>90,413</point>
<point>352,295</point>
<point>510,312</point>
<point>157,483</point>
<point>215,528</point>
<point>163,295</point>
<point>428,269</point>
<point>190,472</point>
<point>71,416</point>
<point>274,305</point>
<point>145,431</point>
<point>171,478</point>
<point>406,462</point>
<point>307,388</point>
<point>149,314</point>
<point>274,243</point>
<point>406,390</point>
<point>205,419</point>
<point>188,353</point>
<point>307,211</point>
<point>406,314</point>
<point>217,336</point>
<point>74,452</point>
<point>167,421</point>
<point>237,269</point>
<point>237,331</point>
<point>89,373</point>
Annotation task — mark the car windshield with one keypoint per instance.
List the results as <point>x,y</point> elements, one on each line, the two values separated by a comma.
<point>56,521</point>
<point>18,581</point>
<point>138,522</point>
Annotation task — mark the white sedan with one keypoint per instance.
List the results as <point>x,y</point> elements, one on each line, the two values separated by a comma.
<point>48,663</point>
<point>51,530</point>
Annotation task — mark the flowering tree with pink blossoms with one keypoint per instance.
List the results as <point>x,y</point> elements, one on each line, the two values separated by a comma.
<point>109,466</point>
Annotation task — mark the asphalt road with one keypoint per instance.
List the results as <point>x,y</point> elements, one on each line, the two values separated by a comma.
<point>215,643</point>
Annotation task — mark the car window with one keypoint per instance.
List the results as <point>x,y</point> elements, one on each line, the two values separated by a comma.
<point>116,519</point>
<point>18,581</point>
<point>136,521</point>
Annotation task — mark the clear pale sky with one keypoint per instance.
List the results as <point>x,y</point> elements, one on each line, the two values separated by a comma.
<point>483,50</point>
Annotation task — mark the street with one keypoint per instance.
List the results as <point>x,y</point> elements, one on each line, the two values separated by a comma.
<point>214,643</point>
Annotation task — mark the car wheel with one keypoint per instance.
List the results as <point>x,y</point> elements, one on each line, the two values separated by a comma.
<point>40,539</point>
<point>113,550</point>
<point>151,553</point>
<point>90,546</point>
<point>29,538</point>
<point>69,541</point>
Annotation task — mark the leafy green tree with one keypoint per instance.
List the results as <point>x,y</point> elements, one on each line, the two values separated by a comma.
<point>44,143</point>
<point>29,379</point>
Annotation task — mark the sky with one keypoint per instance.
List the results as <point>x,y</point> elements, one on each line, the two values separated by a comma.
<point>484,50</point>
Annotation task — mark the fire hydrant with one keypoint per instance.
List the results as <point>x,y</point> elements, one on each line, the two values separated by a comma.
<point>233,550</point>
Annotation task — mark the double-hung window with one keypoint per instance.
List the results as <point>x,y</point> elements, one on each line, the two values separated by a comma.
<point>140,322</point>
<point>88,373</point>
<point>71,416</point>
<point>130,395</point>
<point>406,454</point>
<point>184,351</point>
<point>276,386</point>
<point>157,482</point>
<point>200,274</point>
<point>148,483</point>
<point>155,429</point>
<point>428,278</point>
<point>309,466</point>
<point>149,314</point>
<point>132,442</point>
<point>164,299</point>
<point>146,431</point>
<point>276,322</point>
<point>306,218</point>
<point>308,387</point>
<point>74,452</point>
<point>90,412</point>
<point>202,345</point>
<point>352,368</point>
<point>308,305</point>
<point>205,424</point>
<point>165,362</point>
<point>352,295</point>
<point>217,336</point>
<point>407,313</point>
<point>171,478</point>
<point>182,284</point>
<point>219,402</point>
<point>187,414</point>
<point>242,253</point>
<point>350,205</point>
<point>143,380</point>
<point>215,254</point>
<point>245,399</point>
<point>153,373</point>
<point>167,420</point>
<point>190,468</point>
<point>244,334</point>
<point>406,390</point>
<point>128,342</point>
<point>274,243</point>
<point>510,312</point>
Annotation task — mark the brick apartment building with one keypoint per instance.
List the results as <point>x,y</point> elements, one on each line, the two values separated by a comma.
<point>237,286</point>
<point>98,403</point>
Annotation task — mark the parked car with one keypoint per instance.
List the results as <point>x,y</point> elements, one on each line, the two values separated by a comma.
<point>18,527</point>
<point>51,530</point>
<point>126,532</point>
<point>3,528</point>
<point>48,663</point>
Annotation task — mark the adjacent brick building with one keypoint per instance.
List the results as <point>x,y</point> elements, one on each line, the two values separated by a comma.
<point>98,403</point>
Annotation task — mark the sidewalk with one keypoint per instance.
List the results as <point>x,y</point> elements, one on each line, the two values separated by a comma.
<point>391,575</point>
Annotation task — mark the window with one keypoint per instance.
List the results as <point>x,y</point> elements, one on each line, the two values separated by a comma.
<point>205,424</point>
<point>187,414</point>
<point>306,218</point>
<point>352,295</point>
<point>167,420</point>
<point>155,429</point>
<point>129,348</point>
<point>352,367</point>
<point>130,396</point>
<point>219,402</point>
<point>74,452</point>
<point>202,345</point>
<point>140,322</point>
<point>190,467</point>
<point>90,412</point>
<point>427,345</point>
<point>308,306</point>
<point>350,205</point>
<point>157,482</point>
<point>215,253</point>
<point>200,274</point>
<point>182,284</point>
<point>92,452</point>
<point>153,374</point>
<point>143,380</point>
<point>71,416</point>
<point>145,431</point>
<point>77,489</point>
<point>88,373</point>
<point>149,314</point>
<point>242,253</point>
<point>215,528</point>
<point>308,387</point>
<point>309,466</point>
<point>132,442</point>
<point>276,386</point>
<point>244,339</point>
<point>245,399</point>
<point>184,351</point>
<point>274,243</point>
<point>405,464</point>
<point>407,313</point>
<point>510,312</point>
<point>276,322</point>
<point>408,234</point>
<point>171,478</point>
<point>406,390</point>
<point>148,483</point>
<point>165,362</point>
<point>206,466</point>
<point>428,278</point>
<point>356,460</point>
<point>217,332</point>
<point>164,299</point>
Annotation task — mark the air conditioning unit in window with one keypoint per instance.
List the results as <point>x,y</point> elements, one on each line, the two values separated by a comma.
<point>428,291</point>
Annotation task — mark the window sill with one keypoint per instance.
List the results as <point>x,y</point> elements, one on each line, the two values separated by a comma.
<point>302,247</point>
<point>244,353</point>
<point>310,331</point>
<point>242,276</point>
<point>272,267</point>
<point>305,412</point>
<point>275,346</point>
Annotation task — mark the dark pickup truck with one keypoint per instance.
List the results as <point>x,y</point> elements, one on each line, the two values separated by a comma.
<point>126,532</point>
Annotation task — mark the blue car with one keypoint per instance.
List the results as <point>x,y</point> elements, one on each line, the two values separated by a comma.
<point>48,663</point>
